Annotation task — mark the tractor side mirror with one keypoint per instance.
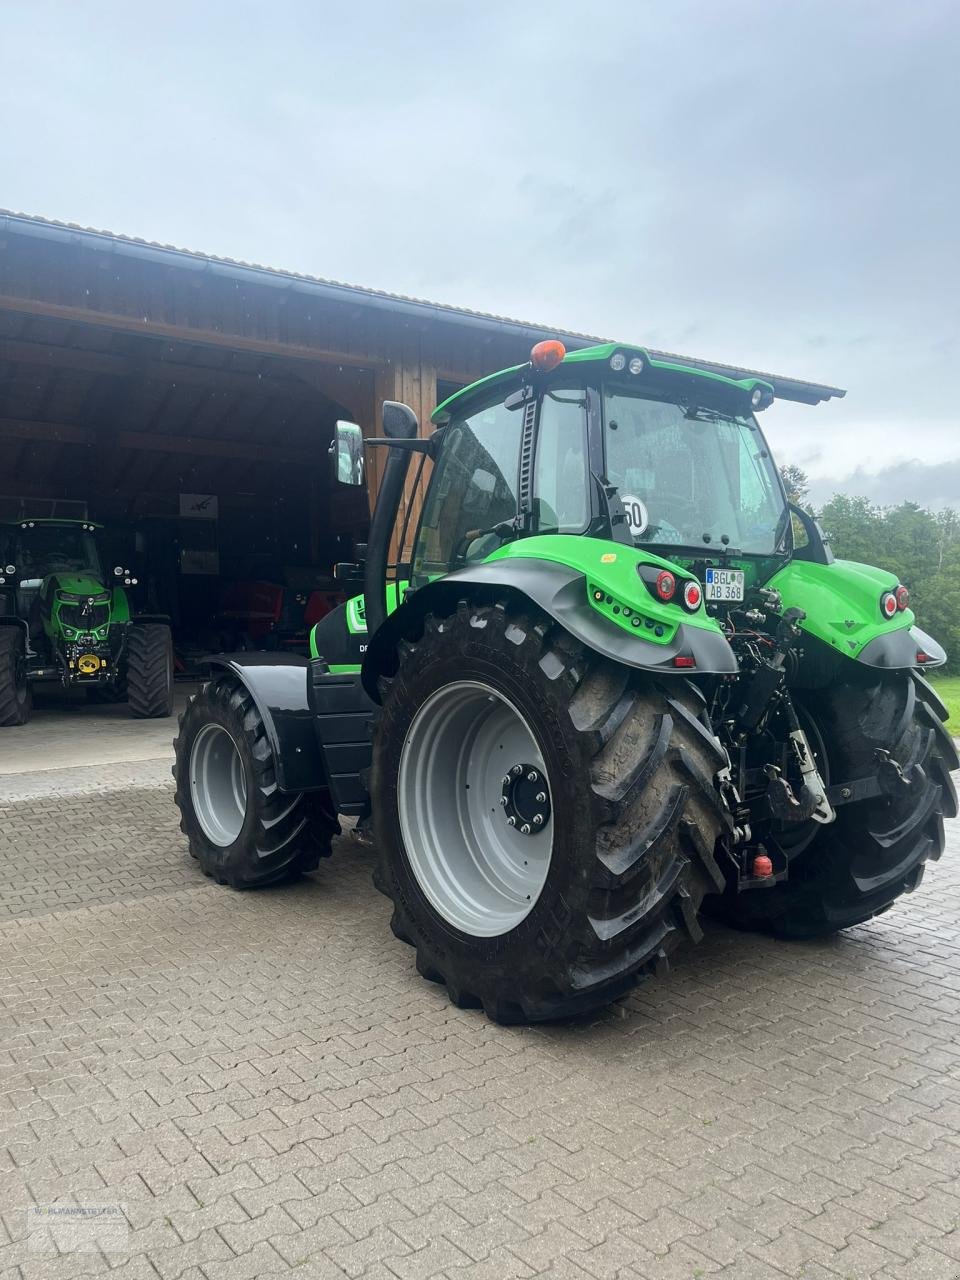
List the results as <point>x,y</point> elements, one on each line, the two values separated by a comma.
<point>346,454</point>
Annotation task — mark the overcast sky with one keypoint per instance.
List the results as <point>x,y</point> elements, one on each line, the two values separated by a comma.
<point>767,183</point>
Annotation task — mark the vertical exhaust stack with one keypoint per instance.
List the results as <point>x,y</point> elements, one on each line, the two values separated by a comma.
<point>399,424</point>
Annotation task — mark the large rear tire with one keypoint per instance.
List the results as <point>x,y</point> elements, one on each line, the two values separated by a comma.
<point>16,698</point>
<point>150,670</point>
<point>243,830</point>
<point>498,714</point>
<point>876,850</point>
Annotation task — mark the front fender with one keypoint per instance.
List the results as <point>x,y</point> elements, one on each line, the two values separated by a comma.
<point>561,592</point>
<point>277,682</point>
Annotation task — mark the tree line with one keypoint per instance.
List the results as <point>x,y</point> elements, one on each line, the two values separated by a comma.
<point>921,547</point>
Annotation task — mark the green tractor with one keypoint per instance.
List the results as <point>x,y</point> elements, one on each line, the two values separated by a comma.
<point>621,684</point>
<point>63,620</point>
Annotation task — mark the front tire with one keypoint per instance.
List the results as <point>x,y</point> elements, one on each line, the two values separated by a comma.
<point>877,848</point>
<point>243,830</point>
<point>601,891</point>
<point>16,697</point>
<point>150,670</point>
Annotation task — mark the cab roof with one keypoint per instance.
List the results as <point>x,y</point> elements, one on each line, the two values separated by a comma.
<point>656,363</point>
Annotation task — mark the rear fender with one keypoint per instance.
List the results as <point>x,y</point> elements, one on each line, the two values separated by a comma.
<point>561,592</point>
<point>277,682</point>
<point>841,601</point>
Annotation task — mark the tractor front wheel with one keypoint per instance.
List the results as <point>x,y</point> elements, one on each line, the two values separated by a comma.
<point>149,670</point>
<point>243,830</point>
<point>16,699</point>
<point>546,818</point>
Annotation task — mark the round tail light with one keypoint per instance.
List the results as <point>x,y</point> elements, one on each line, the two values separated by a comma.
<point>903,597</point>
<point>692,595</point>
<point>666,584</point>
<point>888,604</point>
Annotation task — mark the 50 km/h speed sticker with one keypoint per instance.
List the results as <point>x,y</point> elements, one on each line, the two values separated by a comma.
<point>724,584</point>
<point>637,517</point>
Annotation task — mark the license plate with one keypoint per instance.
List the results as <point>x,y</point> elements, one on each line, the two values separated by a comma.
<point>724,584</point>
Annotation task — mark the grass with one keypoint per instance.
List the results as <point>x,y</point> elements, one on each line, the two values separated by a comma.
<point>948,688</point>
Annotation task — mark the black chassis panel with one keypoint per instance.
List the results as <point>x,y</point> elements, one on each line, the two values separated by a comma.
<point>343,718</point>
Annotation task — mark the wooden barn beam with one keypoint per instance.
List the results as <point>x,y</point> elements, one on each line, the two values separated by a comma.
<point>150,442</point>
<point>184,333</point>
<point>52,358</point>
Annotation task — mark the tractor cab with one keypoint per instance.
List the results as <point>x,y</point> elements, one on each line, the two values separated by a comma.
<point>607,443</point>
<point>55,559</point>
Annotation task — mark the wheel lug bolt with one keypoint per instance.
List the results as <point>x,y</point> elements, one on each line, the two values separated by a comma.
<point>506,780</point>
<point>503,801</point>
<point>516,771</point>
<point>533,776</point>
<point>541,797</point>
<point>538,819</point>
<point>511,821</point>
<point>525,828</point>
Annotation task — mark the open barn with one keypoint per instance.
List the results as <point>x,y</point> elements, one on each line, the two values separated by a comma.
<point>187,403</point>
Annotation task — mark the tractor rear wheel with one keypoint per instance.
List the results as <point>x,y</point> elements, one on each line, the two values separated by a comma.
<point>243,830</point>
<point>883,727</point>
<point>16,698</point>
<point>546,818</point>
<point>150,670</point>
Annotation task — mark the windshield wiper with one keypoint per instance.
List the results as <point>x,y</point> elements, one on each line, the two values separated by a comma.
<point>698,550</point>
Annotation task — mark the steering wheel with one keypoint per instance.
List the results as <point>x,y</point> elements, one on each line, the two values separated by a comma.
<point>502,531</point>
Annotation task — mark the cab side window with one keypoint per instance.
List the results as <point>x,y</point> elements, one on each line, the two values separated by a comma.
<point>560,465</point>
<point>472,493</point>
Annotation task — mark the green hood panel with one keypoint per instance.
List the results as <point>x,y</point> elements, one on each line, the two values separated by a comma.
<point>841,601</point>
<point>78,585</point>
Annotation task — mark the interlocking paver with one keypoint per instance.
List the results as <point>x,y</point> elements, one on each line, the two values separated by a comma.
<point>270,1089</point>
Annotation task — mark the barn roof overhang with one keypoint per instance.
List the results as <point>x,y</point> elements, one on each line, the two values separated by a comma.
<point>786,388</point>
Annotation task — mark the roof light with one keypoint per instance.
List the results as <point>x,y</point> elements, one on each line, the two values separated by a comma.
<point>888,604</point>
<point>636,365</point>
<point>547,355</point>
<point>903,597</point>
<point>756,398</point>
<point>618,362</point>
<point>666,584</point>
<point>922,657</point>
<point>692,595</point>
<point>684,660</point>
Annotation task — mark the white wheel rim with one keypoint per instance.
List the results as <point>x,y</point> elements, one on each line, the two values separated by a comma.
<point>218,785</point>
<point>458,789</point>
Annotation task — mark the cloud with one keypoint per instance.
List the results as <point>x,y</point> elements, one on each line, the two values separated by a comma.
<point>933,486</point>
<point>769,184</point>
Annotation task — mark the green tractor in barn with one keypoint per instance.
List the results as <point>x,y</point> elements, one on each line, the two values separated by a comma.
<point>621,683</point>
<point>64,621</point>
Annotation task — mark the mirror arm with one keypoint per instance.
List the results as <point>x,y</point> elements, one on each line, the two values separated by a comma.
<point>416,445</point>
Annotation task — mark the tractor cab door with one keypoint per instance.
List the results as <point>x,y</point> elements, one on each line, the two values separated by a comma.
<point>503,474</point>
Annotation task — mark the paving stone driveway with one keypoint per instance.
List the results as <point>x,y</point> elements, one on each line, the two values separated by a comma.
<point>266,1085</point>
